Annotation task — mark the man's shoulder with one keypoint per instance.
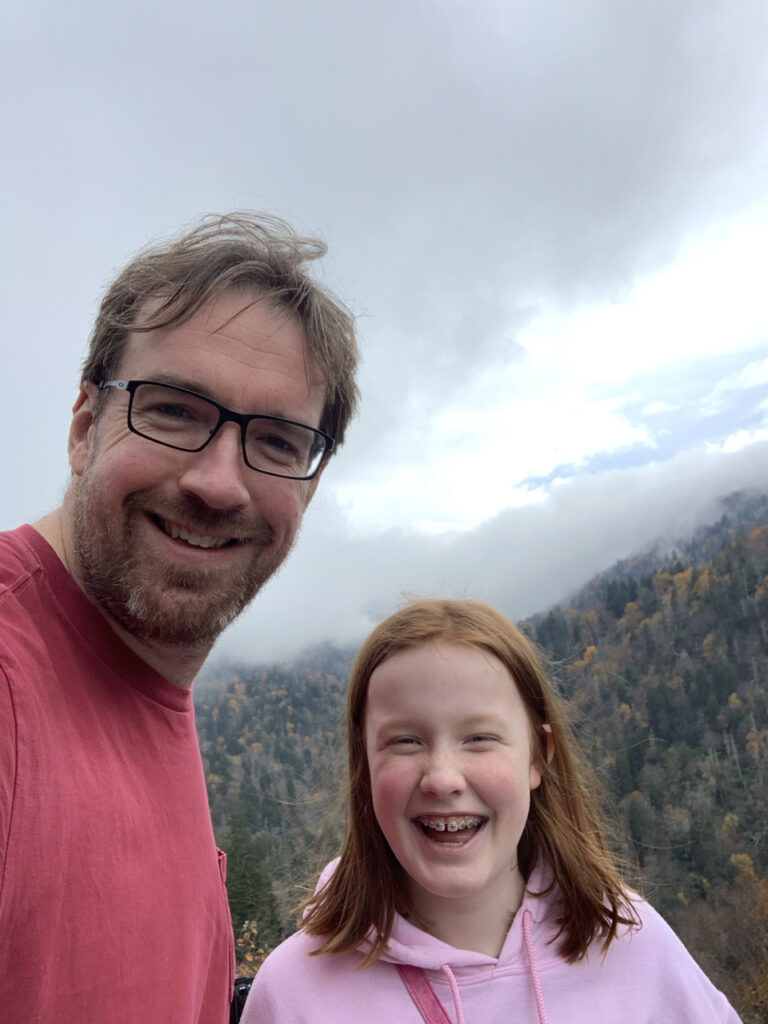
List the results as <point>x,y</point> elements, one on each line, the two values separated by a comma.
<point>29,594</point>
<point>19,561</point>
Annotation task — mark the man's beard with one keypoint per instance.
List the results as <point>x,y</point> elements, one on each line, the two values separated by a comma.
<point>166,603</point>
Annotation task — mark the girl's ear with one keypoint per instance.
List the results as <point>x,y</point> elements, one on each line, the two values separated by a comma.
<point>537,767</point>
<point>550,742</point>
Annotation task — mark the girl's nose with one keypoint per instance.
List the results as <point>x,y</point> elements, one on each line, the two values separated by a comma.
<point>443,775</point>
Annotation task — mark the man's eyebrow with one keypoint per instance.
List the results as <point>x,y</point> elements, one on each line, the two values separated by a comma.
<point>179,382</point>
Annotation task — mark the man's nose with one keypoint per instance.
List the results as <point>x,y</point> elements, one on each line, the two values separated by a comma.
<point>443,773</point>
<point>218,474</point>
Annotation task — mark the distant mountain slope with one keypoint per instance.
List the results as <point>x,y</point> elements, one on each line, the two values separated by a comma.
<point>742,512</point>
<point>664,662</point>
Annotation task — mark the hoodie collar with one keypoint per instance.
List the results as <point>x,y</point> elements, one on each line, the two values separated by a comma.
<point>411,945</point>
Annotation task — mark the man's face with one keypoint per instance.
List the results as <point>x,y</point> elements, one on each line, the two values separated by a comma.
<point>173,545</point>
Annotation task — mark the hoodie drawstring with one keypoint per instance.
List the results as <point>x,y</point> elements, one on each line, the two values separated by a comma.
<point>533,968</point>
<point>423,995</point>
<point>454,992</point>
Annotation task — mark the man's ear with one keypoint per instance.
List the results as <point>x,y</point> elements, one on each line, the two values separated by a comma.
<point>80,433</point>
<point>314,482</point>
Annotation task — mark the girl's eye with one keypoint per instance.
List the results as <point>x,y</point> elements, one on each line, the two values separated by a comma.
<point>404,742</point>
<point>481,739</point>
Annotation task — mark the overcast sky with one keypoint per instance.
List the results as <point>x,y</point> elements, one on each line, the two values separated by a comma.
<point>550,219</point>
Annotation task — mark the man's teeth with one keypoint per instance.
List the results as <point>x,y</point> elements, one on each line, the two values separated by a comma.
<point>197,539</point>
<point>450,824</point>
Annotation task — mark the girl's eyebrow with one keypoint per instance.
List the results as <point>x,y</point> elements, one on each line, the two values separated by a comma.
<point>394,722</point>
<point>485,716</point>
<point>471,722</point>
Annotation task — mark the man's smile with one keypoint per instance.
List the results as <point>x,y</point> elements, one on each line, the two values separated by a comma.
<point>200,540</point>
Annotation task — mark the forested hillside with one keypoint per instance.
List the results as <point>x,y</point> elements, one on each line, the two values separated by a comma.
<point>275,761</point>
<point>664,663</point>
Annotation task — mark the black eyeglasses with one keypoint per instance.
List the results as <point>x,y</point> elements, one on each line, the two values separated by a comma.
<point>183,419</point>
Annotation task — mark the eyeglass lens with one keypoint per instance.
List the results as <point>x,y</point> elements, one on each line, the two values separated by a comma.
<point>185,421</point>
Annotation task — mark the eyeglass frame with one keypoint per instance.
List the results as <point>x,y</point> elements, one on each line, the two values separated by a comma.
<point>242,419</point>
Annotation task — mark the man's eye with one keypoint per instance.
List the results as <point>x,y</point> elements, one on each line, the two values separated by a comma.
<point>167,415</point>
<point>173,412</point>
<point>287,447</point>
<point>281,443</point>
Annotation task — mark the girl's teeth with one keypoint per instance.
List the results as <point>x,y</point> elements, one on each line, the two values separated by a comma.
<point>454,825</point>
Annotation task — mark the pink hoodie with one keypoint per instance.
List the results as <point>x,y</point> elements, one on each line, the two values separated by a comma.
<point>647,977</point>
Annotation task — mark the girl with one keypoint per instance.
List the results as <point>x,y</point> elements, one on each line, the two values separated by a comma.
<point>474,883</point>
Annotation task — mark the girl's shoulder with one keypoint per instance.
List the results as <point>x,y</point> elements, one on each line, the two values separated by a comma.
<point>645,974</point>
<point>654,952</point>
<point>296,964</point>
<point>294,954</point>
<point>290,982</point>
<point>295,987</point>
<point>652,933</point>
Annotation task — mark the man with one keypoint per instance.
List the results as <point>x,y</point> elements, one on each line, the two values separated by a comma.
<point>219,379</point>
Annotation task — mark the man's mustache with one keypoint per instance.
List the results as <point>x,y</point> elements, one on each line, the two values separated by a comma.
<point>195,515</point>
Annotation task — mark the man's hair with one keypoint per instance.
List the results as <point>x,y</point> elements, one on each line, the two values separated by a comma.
<point>242,250</point>
<point>565,827</point>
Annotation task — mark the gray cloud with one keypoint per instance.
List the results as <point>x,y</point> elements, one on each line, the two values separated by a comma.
<point>336,586</point>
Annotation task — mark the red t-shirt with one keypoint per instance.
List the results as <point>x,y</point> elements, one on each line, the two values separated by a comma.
<point>112,899</point>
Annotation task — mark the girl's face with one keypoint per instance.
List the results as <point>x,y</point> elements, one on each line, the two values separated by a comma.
<point>449,752</point>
